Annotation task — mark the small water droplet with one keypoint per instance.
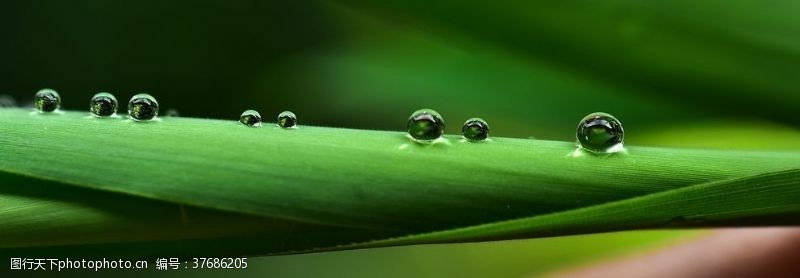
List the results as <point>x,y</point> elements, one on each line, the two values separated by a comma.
<point>47,100</point>
<point>172,112</point>
<point>600,133</point>
<point>103,104</point>
<point>287,119</point>
<point>425,125</point>
<point>7,101</point>
<point>143,107</point>
<point>250,118</point>
<point>475,129</point>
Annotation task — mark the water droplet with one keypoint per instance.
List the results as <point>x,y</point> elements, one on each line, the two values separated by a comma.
<point>475,129</point>
<point>287,119</point>
<point>7,101</point>
<point>103,104</point>
<point>600,133</point>
<point>47,100</point>
<point>143,107</point>
<point>425,125</point>
<point>250,118</point>
<point>172,112</point>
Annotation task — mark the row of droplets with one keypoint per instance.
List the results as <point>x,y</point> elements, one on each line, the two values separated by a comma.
<point>597,132</point>
<point>141,107</point>
<point>252,118</point>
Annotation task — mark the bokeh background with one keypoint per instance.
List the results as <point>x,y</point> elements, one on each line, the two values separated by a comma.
<point>711,74</point>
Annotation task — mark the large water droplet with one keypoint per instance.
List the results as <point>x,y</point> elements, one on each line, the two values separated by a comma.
<point>600,133</point>
<point>47,100</point>
<point>287,119</point>
<point>425,125</point>
<point>250,118</point>
<point>103,104</point>
<point>143,107</point>
<point>475,129</point>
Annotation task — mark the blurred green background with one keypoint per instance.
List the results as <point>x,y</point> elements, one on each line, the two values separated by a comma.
<point>711,74</point>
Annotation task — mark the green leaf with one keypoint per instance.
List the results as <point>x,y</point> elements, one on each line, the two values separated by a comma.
<point>768,199</point>
<point>112,184</point>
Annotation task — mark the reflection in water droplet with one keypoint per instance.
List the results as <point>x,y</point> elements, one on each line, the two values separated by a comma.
<point>287,119</point>
<point>425,125</point>
<point>143,107</point>
<point>47,100</point>
<point>250,118</point>
<point>475,129</point>
<point>600,133</point>
<point>103,104</point>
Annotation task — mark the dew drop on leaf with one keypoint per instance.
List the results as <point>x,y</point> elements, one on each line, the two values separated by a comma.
<point>287,119</point>
<point>143,107</point>
<point>475,129</point>
<point>103,104</point>
<point>172,112</point>
<point>7,101</point>
<point>600,133</point>
<point>47,100</point>
<point>425,125</point>
<point>250,118</point>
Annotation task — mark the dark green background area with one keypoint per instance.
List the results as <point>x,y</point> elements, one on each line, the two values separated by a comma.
<point>201,57</point>
<point>531,70</point>
<point>711,74</point>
